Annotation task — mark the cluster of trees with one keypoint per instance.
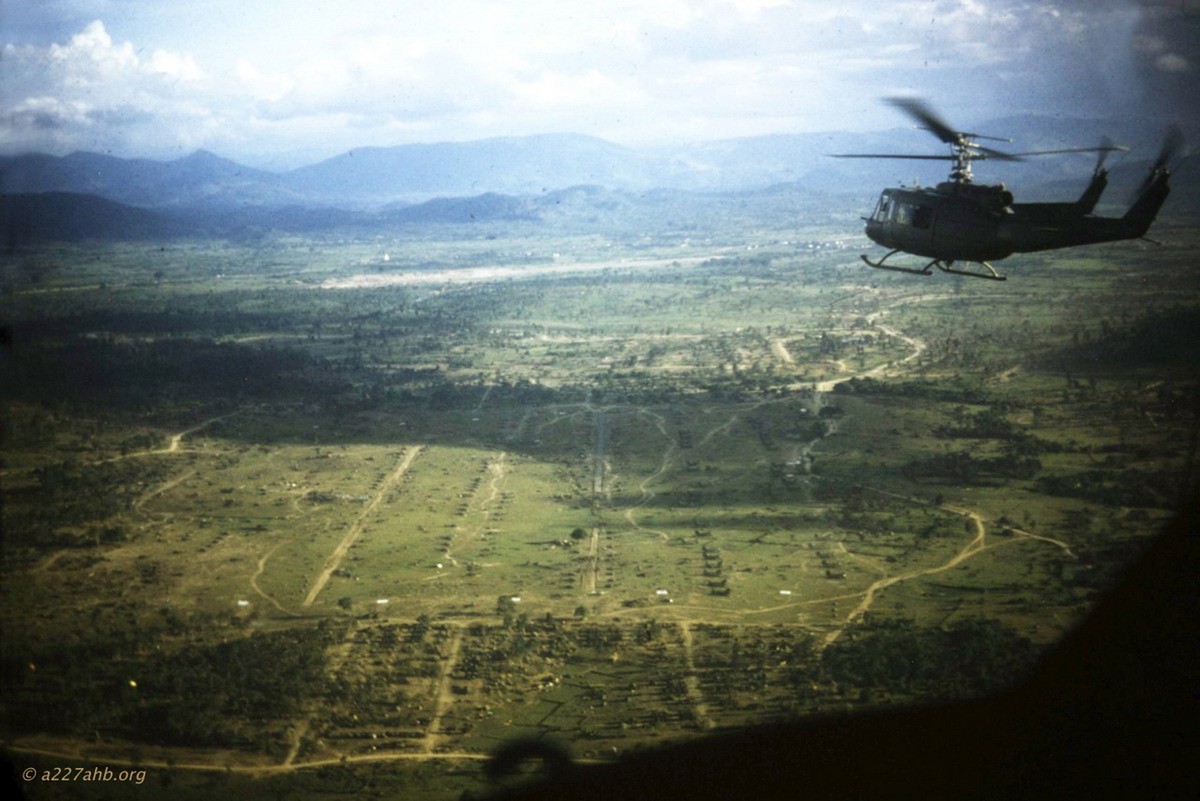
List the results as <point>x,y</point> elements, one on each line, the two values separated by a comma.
<point>947,390</point>
<point>988,423</point>
<point>967,658</point>
<point>447,394</point>
<point>202,695</point>
<point>222,694</point>
<point>88,371</point>
<point>963,467</point>
<point>1161,337</point>
<point>1115,488</point>
<point>52,512</point>
<point>176,321</point>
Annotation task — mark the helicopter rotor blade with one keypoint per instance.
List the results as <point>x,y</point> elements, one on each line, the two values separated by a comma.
<point>965,147</point>
<point>985,136</point>
<point>983,153</point>
<point>1104,150</point>
<point>887,156</point>
<point>930,121</point>
<point>924,115</point>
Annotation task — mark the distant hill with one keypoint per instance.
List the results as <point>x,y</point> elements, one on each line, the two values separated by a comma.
<point>359,179</point>
<point>71,217</point>
<point>200,179</point>
<point>510,165</point>
<point>556,177</point>
<point>488,206</point>
<point>373,177</point>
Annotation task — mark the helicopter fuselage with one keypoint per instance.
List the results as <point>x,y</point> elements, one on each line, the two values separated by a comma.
<point>975,223</point>
<point>959,220</point>
<point>945,222</point>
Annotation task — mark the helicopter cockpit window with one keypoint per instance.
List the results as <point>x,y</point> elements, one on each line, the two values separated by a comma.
<point>902,213</point>
<point>881,211</point>
<point>923,217</point>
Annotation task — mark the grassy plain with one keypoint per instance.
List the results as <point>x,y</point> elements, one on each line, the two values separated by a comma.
<point>340,516</point>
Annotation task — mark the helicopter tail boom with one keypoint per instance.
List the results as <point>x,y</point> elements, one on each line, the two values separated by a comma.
<point>1029,234</point>
<point>1087,201</point>
<point>1052,213</point>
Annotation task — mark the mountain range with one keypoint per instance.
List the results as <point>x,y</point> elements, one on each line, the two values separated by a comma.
<point>510,177</point>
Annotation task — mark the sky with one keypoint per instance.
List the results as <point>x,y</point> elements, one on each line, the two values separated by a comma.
<point>278,85</point>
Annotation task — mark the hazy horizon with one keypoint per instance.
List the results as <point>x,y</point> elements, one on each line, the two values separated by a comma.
<point>277,91</point>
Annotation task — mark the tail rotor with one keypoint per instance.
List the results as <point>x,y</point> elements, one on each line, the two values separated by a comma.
<point>1172,144</point>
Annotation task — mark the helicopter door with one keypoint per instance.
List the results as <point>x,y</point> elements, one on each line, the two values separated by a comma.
<point>919,217</point>
<point>912,225</point>
<point>922,217</point>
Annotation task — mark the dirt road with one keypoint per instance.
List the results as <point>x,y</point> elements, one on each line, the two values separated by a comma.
<point>591,571</point>
<point>977,545</point>
<point>692,679</point>
<point>780,351</point>
<point>445,695</point>
<point>339,553</point>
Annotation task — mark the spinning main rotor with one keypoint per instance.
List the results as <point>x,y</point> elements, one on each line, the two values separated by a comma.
<point>964,146</point>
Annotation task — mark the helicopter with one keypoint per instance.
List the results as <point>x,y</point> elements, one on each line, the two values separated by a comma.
<point>961,221</point>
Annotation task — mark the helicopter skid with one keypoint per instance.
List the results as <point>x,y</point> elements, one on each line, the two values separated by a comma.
<point>879,265</point>
<point>990,275</point>
<point>944,266</point>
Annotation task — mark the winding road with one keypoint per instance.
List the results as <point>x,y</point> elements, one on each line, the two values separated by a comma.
<point>975,546</point>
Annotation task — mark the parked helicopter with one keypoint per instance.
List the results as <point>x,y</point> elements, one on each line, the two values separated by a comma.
<point>961,221</point>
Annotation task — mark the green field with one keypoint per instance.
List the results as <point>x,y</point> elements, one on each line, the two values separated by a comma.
<point>296,518</point>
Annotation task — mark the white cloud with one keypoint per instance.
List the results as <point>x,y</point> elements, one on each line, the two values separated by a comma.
<point>94,46</point>
<point>263,86</point>
<point>49,113</point>
<point>1172,62</point>
<point>752,8</point>
<point>250,80</point>
<point>565,92</point>
<point>91,92</point>
<point>180,66</point>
